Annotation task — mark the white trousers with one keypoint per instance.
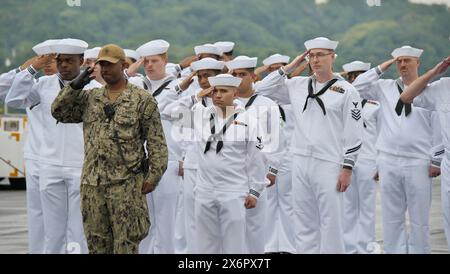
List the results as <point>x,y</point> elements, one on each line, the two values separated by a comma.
<point>180,241</point>
<point>280,215</point>
<point>445,197</point>
<point>220,222</point>
<point>60,196</point>
<point>317,206</point>
<point>190,176</point>
<point>255,226</point>
<point>162,203</point>
<point>35,216</point>
<point>405,188</point>
<point>359,209</point>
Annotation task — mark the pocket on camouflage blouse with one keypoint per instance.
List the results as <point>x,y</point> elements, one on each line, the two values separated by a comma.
<point>127,126</point>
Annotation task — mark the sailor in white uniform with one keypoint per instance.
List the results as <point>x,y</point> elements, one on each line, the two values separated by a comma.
<point>227,49</point>
<point>163,201</point>
<point>410,148</point>
<point>279,230</point>
<point>131,56</point>
<point>436,97</point>
<point>90,58</point>
<point>35,219</point>
<point>203,69</point>
<point>359,199</point>
<point>268,116</point>
<point>61,150</point>
<point>325,144</point>
<point>183,69</point>
<point>231,172</point>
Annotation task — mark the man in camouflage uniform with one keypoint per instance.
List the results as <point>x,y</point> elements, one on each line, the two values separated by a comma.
<point>118,120</point>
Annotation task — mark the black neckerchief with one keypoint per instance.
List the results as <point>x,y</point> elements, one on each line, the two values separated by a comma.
<point>213,131</point>
<point>147,83</point>
<point>400,104</point>
<point>161,88</point>
<point>61,81</point>
<point>251,101</point>
<point>157,92</point>
<point>316,96</point>
<point>282,113</point>
<point>363,103</point>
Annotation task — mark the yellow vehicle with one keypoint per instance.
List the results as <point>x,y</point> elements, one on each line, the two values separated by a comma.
<point>13,131</point>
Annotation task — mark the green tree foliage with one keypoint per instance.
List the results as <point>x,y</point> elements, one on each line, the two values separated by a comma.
<point>259,27</point>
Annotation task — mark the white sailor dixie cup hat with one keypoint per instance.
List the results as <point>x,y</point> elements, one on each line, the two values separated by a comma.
<point>356,66</point>
<point>70,46</point>
<point>154,47</point>
<point>207,49</point>
<point>226,80</point>
<point>242,62</point>
<point>321,43</point>
<point>132,54</point>
<point>276,59</point>
<point>225,46</point>
<point>207,63</point>
<point>92,53</point>
<point>45,47</point>
<point>407,51</point>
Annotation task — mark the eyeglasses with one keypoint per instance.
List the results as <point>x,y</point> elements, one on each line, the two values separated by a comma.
<point>319,55</point>
<point>404,60</point>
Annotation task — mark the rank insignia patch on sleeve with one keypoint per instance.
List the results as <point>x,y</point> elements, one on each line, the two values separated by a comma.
<point>356,113</point>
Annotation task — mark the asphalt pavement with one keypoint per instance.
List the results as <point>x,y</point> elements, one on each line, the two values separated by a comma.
<point>13,221</point>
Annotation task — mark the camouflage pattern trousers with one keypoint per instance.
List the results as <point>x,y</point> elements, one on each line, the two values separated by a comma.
<point>115,217</point>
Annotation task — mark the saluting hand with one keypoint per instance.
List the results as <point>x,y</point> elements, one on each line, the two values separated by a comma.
<point>186,62</point>
<point>296,62</point>
<point>188,81</point>
<point>386,65</point>
<point>298,71</point>
<point>344,74</point>
<point>441,67</point>
<point>204,93</point>
<point>83,79</point>
<point>41,61</point>
<point>260,70</point>
<point>132,70</point>
<point>28,62</point>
